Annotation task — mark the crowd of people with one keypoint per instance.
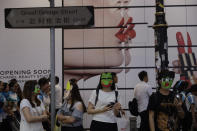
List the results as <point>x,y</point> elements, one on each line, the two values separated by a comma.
<point>170,108</point>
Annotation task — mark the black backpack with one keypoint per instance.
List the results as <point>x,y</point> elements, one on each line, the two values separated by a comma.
<point>133,107</point>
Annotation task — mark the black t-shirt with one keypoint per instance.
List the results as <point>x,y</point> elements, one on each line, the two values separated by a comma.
<point>165,112</point>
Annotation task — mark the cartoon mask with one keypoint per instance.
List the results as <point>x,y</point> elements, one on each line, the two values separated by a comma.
<point>106,79</point>
<point>68,86</point>
<point>166,82</point>
<point>68,90</point>
<point>37,89</point>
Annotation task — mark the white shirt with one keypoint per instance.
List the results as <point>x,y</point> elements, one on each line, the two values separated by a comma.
<point>58,96</point>
<point>37,111</point>
<point>142,92</point>
<point>104,98</point>
<point>46,101</point>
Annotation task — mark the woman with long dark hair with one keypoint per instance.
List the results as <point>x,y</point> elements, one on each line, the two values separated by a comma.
<point>70,115</point>
<point>103,105</point>
<point>31,108</point>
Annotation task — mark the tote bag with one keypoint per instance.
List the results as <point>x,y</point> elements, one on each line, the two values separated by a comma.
<point>123,123</point>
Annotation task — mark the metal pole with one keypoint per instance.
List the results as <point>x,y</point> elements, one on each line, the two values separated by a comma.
<point>52,56</point>
<point>161,39</point>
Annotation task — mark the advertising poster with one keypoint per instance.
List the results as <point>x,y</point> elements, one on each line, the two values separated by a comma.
<point>88,61</point>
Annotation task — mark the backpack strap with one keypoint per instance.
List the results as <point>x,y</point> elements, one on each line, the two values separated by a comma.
<point>97,93</point>
<point>116,95</point>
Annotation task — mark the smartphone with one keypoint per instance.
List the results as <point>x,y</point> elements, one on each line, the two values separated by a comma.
<point>110,104</point>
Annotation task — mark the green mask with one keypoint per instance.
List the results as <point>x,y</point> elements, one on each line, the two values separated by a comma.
<point>37,89</point>
<point>106,79</point>
<point>68,86</point>
<point>166,82</point>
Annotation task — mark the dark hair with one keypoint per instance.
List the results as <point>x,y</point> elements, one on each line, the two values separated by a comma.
<point>56,80</point>
<point>43,81</point>
<point>113,87</point>
<point>0,84</point>
<point>28,90</point>
<point>19,93</point>
<point>113,74</point>
<point>12,82</point>
<point>5,86</point>
<point>164,74</point>
<point>75,95</point>
<point>73,80</point>
<point>142,75</point>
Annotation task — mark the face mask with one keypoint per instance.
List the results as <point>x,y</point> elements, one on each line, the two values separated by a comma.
<point>68,90</point>
<point>166,82</point>
<point>37,90</point>
<point>106,79</point>
<point>68,86</point>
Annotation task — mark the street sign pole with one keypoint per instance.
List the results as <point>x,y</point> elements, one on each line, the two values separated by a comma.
<point>52,57</point>
<point>71,17</point>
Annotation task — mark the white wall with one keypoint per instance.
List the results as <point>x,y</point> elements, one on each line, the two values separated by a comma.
<point>27,50</point>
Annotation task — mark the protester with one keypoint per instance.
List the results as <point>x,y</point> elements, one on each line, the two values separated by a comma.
<point>31,108</point>
<point>181,90</point>
<point>14,97</point>
<point>44,96</point>
<point>44,86</point>
<point>70,115</point>
<point>58,94</point>
<point>142,92</point>
<point>8,104</point>
<point>103,105</point>
<point>165,110</point>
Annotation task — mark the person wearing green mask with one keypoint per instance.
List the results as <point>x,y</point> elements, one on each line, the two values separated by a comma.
<point>32,110</point>
<point>103,105</point>
<point>165,109</point>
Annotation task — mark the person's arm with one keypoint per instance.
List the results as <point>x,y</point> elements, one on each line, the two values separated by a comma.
<point>194,123</point>
<point>7,108</point>
<point>117,109</point>
<point>178,104</point>
<point>91,109</point>
<point>71,119</point>
<point>65,119</point>
<point>29,118</point>
<point>151,120</point>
